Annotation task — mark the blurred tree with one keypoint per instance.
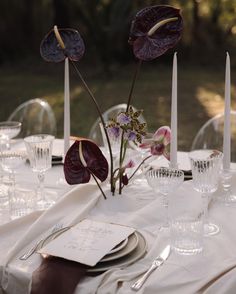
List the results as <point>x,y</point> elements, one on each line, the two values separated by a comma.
<point>210,27</point>
<point>106,24</point>
<point>61,13</point>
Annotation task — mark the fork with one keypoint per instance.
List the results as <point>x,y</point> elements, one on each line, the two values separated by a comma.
<point>32,250</point>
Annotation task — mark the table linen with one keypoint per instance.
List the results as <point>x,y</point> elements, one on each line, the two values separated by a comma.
<point>210,272</point>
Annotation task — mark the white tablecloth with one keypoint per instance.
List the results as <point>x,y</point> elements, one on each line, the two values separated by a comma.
<point>213,271</point>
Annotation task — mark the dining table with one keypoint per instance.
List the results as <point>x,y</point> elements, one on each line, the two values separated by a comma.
<point>211,271</point>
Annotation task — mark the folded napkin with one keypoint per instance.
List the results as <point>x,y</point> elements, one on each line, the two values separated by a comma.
<point>57,275</point>
<point>57,160</point>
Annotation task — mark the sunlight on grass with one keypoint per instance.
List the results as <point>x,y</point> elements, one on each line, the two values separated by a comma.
<point>212,102</point>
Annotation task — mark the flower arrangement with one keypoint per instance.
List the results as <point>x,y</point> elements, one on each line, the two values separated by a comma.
<point>154,30</point>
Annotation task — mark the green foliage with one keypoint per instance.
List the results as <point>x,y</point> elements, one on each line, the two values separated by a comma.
<point>104,25</point>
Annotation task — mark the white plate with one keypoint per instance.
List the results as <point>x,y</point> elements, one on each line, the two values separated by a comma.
<point>118,247</point>
<point>122,262</point>
<point>131,245</point>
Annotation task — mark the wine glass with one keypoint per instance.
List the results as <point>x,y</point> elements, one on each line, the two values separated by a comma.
<point>164,181</point>
<point>10,162</point>
<point>39,149</point>
<point>206,166</point>
<point>9,130</point>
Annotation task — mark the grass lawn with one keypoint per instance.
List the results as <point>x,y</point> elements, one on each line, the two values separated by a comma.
<point>200,95</point>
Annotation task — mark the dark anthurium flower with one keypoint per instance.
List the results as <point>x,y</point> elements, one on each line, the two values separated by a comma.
<point>154,30</point>
<point>83,159</point>
<point>61,43</point>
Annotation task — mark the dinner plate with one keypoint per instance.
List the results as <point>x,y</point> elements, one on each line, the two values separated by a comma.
<point>130,246</point>
<point>124,261</point>
<point>119,246</point>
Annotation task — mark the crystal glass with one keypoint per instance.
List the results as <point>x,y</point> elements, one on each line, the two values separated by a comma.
<point>206,166</point>
<point>10,162</point>
<point>187,235</point>
<point>165,181</point>
<point>39,149</point>
<point>9,130</point>
<point>228,196</point>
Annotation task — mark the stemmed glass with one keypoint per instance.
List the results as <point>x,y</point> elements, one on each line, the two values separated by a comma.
<point>206,166</point>
<point>39,149</point>
<point>10,162</point>
<point>9,130</point>
<point>165,181</point>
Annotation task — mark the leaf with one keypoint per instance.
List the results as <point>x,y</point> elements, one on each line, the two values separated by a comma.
<point>51,50</point>
<point>148,47</point>
<point>79,166</point>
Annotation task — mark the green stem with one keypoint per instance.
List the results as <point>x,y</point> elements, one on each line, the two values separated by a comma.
<point>138,65</point>
<point>100,188</point>
<point>102,120</point>
<point>142,162</point>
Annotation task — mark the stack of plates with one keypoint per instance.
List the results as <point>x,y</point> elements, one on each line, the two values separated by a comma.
<point>125,253</point>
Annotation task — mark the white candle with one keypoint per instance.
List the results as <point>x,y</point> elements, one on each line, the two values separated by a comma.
<point>173,141</point>
<point>66,108</point>
<point>227,131</point>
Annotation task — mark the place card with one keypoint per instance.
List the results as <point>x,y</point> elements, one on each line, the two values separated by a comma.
<point>87,242</point>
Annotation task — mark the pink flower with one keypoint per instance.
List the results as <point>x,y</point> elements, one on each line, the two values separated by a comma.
<point>159,144</point>
<point>130,164</point>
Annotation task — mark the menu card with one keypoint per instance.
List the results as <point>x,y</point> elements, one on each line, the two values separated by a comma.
<point>87,242</point>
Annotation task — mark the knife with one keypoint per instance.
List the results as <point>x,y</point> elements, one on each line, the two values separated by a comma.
<point>158,261</point>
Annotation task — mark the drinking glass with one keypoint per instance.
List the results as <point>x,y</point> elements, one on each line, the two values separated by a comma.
<point>206,166</point>
<point>165,181</point>
<point>10,162</point>
<point>39,149</point>
<point>228,196</point>
<point>9,130</point>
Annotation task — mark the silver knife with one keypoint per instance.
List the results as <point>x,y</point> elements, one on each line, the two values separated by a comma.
<point>158,261</point>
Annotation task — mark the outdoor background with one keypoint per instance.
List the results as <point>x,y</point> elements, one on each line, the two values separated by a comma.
<point>108,63</point>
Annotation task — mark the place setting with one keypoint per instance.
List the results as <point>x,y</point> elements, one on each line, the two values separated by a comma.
<point>128,205</point>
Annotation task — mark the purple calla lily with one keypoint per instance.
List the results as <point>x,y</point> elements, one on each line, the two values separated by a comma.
<point>71,46</point>
<point>83,159</point>
<point>154,30</point>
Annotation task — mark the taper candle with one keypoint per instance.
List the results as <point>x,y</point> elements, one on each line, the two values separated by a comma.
<point>173,140</point>
<point>227,127</point>
<point>66,108</point>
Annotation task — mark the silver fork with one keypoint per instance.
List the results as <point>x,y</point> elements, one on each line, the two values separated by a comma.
<point>32,250</point>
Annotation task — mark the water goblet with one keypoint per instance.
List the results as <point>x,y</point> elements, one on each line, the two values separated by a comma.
<point>206,166</point>
<point>39,149</point>
<point>9,130</point>
<point>10,162</point>
<point>164,181</point>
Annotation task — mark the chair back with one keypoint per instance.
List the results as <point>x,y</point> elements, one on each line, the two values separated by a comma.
<point>36,116</point>
<point>210,135</point>
<point>95,131</point>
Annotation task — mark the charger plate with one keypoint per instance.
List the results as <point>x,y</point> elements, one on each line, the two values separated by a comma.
<point>132,243</point>
<point>124,261</point>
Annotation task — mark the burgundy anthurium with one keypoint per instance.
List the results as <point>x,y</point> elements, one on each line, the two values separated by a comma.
<point>61,43</point>
<point>83,159</point>
<point>154,30</point>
